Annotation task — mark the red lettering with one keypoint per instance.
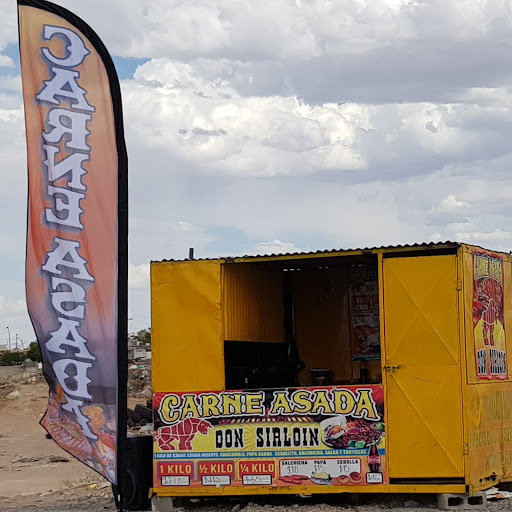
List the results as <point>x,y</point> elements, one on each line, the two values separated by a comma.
<point>217,468</point>
<point>176,468</point>
<point>259,467</point>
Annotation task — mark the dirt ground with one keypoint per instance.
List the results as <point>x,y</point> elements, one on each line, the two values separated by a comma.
<point>37,476</point>
<point>33,469</point>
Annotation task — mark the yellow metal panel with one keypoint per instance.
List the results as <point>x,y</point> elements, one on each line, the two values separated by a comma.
<point>490,433</point>
<point>424,400</point>
<point>488,404</point>
<point>467,259</point>
<point>422,442</point>
<point>186,326</point>
<point>382,320</point>
<point>252,303</point>
<point>421,305</point>
<point>463,361</point>
<point>308,490</point>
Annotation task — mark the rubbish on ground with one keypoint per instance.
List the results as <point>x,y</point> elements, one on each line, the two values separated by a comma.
<point>495,494</point>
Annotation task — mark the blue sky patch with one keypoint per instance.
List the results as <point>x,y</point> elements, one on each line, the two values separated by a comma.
<point>125,66</point>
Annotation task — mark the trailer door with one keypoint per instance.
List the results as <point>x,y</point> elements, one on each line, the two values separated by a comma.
<point>422,363</point>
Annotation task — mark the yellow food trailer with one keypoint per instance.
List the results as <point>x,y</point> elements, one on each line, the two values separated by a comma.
<point>369,370</point>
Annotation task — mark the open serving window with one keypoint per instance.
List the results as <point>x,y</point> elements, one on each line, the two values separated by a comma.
<point>301,323</point>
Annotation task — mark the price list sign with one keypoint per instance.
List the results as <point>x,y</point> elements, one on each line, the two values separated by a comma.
<point>299,437</point>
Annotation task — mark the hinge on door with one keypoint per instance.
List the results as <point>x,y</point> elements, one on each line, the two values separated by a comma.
<point>391,368</point>
<point>458,286</point>
<point>465,449</point>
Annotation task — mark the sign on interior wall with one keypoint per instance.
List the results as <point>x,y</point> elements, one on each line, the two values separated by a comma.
<point>364,313</point>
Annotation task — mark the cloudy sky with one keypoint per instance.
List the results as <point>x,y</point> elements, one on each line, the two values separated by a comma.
<point>258,127</point>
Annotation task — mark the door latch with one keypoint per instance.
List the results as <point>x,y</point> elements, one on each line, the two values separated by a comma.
<point>391,368</point>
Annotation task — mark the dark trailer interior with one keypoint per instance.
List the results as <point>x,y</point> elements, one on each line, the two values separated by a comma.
<point>301,322</point>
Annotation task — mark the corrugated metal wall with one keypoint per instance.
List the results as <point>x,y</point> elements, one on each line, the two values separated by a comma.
<point>253,303</point>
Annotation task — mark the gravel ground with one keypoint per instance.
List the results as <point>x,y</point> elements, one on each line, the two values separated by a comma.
<point>31,480</point>
<point>365,503</point>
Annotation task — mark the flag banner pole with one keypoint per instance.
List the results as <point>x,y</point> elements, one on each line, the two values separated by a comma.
<point>77,232</point>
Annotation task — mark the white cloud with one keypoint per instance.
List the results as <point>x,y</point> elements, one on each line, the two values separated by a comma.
<point>138,277</point>
<point>12,307</point>
<point>496,239</point>
<point>6,62</point>
<point>195,112</point>
<point>274,247</point>
<point>324,124</point>
<point>13,313</point>
<point>158,240</point>
<point>8,24</point>
<point>450,204</point>
<point>449,211</point>
<point>11,84</point>
<point>286,30</point>
<point>206,122</point>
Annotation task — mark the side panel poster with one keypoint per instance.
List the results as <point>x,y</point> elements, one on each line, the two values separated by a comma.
<point>293,437</point>
<point>488,316</point>
<point>364,313</point>
<point>76,162</point>
<point>490,433</point>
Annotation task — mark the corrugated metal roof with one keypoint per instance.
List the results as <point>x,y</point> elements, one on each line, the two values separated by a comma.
<point>419,246</point>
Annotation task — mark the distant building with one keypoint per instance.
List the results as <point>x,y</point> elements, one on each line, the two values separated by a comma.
<point>138,352</point>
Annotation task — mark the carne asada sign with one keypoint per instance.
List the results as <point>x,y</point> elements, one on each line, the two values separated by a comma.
<point>301,437</point>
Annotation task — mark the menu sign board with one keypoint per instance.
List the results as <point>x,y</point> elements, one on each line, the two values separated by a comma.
<point>488,316</point>
<point>364,313</point>
<point>288,437</point>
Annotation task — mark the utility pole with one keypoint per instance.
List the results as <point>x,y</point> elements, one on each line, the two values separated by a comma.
<point>9,333</point>
<point>17,336</point>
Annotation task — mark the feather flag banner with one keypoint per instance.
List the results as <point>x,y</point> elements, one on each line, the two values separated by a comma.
<point>76,258</point>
